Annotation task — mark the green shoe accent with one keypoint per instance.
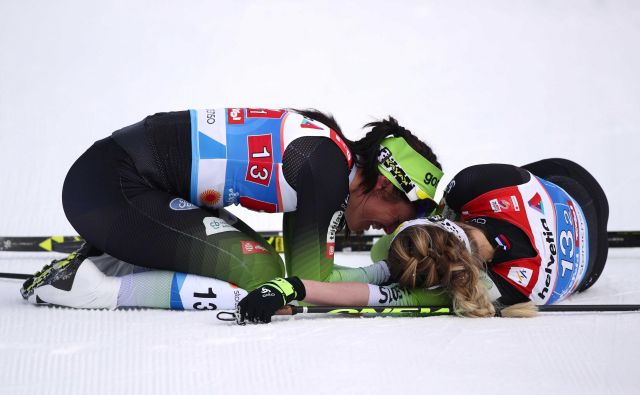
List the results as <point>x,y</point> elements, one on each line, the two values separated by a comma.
<point>40,276</point>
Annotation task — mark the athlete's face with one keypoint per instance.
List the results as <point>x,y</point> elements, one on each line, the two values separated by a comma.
<point>381,208</point>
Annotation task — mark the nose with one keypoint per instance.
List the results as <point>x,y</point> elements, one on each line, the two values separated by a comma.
<point>390,228</point>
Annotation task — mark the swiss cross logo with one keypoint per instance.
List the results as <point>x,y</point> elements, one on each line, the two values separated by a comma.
<point>264,113</point>
<point>235,116</point>
<point>260,158</point>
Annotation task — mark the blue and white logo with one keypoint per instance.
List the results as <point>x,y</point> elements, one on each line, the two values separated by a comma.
<point>178,204</point>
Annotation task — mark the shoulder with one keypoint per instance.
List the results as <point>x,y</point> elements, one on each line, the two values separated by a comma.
<point>167,118</point>
<point>317,162</point>
<point>476,180</point>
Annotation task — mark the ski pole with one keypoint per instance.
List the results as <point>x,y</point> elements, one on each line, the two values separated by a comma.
<point>359,310</point>
<point>68,244</point>
<point>422,311</point>
<point>448,310</point>
<point>588,308</point>
<point>18,276</point>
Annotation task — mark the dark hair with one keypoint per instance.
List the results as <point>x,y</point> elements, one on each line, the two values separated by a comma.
<point>365,150</point>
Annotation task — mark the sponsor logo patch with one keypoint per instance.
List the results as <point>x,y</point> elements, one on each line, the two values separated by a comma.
<point>504,204</point>
<point>236,298</point>
<point>213,225</point>
<point>450,187</point>
<point>536,203</point>
<point>308,124</point>
<point>210,197</point>
<point>211,116</point>
<point>178,204</point>
<point>266,293</point>
<point>520,275</point>
<point>252,247</point>
<point>429,178</point>
<point>550,268</point>
<point>389,163</point>
<point>235,116</point>
<point>480,221</point>
<point>331,250</point>
<point>334,225</point>
<point>234,197</point>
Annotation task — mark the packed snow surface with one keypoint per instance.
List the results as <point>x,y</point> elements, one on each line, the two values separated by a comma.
<point>63,351</point>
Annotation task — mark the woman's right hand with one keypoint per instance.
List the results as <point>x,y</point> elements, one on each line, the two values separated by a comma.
<point>263,302</point>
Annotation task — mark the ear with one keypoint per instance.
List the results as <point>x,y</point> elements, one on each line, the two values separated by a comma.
<point>383,184</point>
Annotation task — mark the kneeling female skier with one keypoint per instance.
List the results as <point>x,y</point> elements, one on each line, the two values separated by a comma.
<point>153,195</point>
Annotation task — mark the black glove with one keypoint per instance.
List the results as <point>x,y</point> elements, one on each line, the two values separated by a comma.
<point>261,303</point>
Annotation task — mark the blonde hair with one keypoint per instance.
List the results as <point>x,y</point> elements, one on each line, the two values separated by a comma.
<point>427,256</point>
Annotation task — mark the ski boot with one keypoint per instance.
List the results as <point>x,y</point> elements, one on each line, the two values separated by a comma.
<point>73,281</point>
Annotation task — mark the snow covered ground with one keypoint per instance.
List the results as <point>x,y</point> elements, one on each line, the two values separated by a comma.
<point>63,351</point>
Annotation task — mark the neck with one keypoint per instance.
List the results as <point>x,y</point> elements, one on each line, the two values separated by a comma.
<point>355,179</point>
<point>355,172</point>
<point>485,250</point>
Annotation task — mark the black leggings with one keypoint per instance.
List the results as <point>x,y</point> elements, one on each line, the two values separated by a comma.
<point>119,211</point>
<point>581,185</point>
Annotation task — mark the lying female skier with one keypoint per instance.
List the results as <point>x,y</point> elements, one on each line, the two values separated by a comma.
<point>539,232</point>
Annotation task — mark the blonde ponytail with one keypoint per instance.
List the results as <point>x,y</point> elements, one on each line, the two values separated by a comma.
<point>426,256</point>
<point>519,310</point>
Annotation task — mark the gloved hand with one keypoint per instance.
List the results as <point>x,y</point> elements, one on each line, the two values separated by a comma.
<point>261,303</point>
